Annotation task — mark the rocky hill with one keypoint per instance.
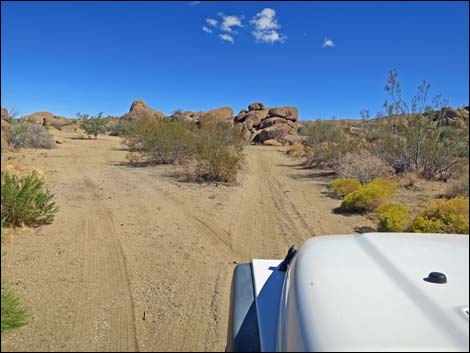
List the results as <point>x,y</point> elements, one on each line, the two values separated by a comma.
<point>139,110</point>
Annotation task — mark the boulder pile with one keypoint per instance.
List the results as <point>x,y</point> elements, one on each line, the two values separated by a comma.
<point>218,115</point>
<point>453,117</point>
<point>48,120</point>
<point>268,126</point>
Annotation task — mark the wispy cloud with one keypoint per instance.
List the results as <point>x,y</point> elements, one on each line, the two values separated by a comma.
<point>229,22</point>
<point>193,3</point>
<point>328,43</point>
<point>226,37</point>
<point>212,21</point>
<point>206,29</point>
<point>265,27</point>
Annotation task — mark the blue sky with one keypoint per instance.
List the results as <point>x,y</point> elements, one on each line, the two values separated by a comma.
<point>330,59</point>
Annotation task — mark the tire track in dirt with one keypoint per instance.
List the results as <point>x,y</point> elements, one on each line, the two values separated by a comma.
<point>104,312</point>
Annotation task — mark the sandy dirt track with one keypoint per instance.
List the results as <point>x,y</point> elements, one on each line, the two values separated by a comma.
<point>138,260</point>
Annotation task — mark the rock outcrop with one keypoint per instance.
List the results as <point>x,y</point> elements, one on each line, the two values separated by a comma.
<point>139,110</point>
<point>268,126</point>
<point>48,120</point>
<point>449,116</point>
<point>218,115</point>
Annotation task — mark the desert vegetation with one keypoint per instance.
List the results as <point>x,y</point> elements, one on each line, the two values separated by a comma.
<point>23,134</point>
<point>409,141</point>
<point>25,200</point>
<point>92,125</point>
<point>13,314</point>
<point>215,149</point>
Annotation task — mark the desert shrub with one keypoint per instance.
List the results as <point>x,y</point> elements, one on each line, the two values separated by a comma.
<point>410,180</point>
<point>343,187</point>
<point>459,188</point>
<point>297,150</point>
<point>444,216</point>
<point>25,200</point>
<point>323,155</point>
<point>410,141</point>
<point>119,128</point>
<point>370,196</point>
<point>25,134</point>
<point>321,131</point>
<point>363,166</point>
<point>161,141</point>
<point>218,153</point>
<point>93,125</point>
<point>13,314</point>
<point>392,218</point>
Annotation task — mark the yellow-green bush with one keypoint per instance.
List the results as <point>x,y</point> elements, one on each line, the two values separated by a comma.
<point>370,196</point>
<point>444,216</point>
<point>392,218</point>
<point>343,187</point>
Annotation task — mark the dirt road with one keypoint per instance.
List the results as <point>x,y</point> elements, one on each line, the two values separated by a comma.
<point>139,260</point>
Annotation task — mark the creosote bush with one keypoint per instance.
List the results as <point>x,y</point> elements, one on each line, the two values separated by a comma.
<point>444,216</point>
<point>23,134</point>
<point>343,187</point>
<point>161,141</point>
<point>392,218</point>
<point>25,201</point>
<point>218,153</point>
<point>369,196</point>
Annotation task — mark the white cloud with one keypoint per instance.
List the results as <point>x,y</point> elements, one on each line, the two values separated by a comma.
<point>229,22</point>
<point>193,3</point>
<point>226,37</point>
<point>206,29</point>
<point>265,27</point>
<point>212,21</point>
<point>328,43</point>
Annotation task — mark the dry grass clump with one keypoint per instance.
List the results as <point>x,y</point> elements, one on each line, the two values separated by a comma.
<point>363,166</point>
<point>296,150</point>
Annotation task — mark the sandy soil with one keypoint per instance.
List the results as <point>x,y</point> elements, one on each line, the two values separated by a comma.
<point>139,260</point>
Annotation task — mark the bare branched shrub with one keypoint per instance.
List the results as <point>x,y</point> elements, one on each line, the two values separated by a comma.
<point>25,134</point>
<point>362,166</point>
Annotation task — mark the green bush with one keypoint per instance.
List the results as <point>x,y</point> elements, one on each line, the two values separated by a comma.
<point>93,125</point>
<point>30,135</point>
<point>218,153</point>
<point>444,216</point>
<point>392,218</point>
<point>370,196</point>
<point>25,200</point>
<point>13,314</point>
<point>162,141</point>
<point>343,187</point>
